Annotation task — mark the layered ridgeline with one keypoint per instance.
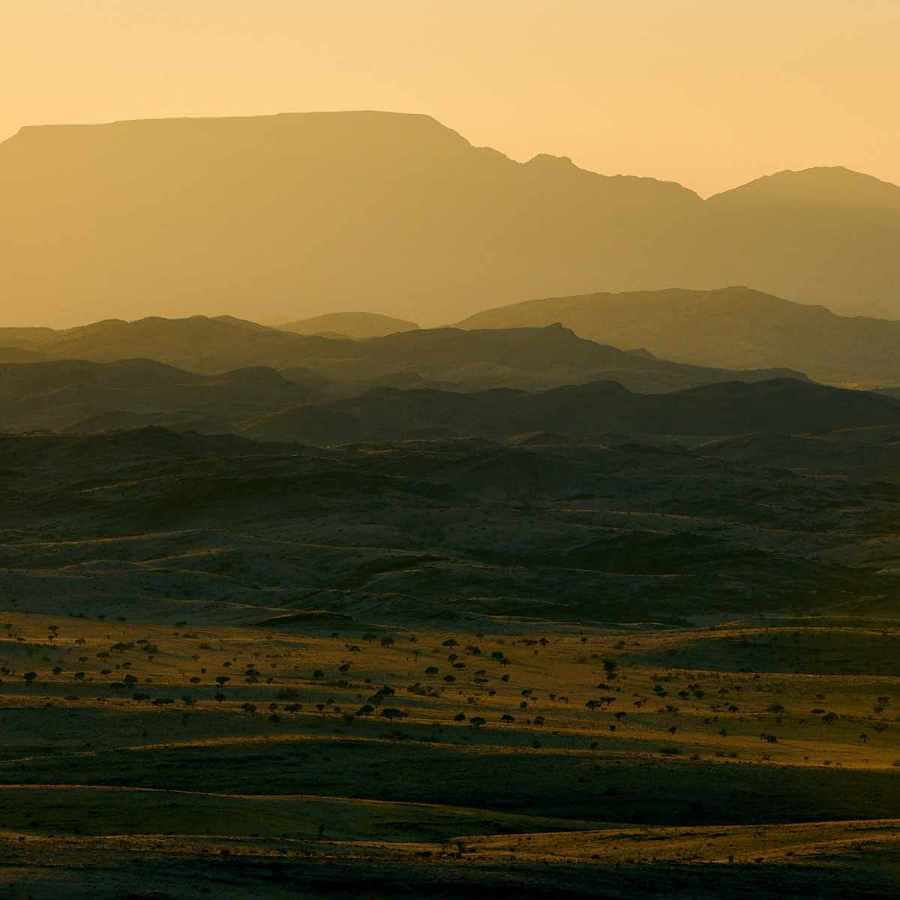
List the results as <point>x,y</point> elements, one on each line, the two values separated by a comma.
<point>88,398</point>
<point>396,213</point>
<point>442,357</point>
<point>734,327</point>
<point>590,413</point>
<point>217,375</point>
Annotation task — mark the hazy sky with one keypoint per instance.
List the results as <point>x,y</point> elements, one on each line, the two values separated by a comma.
<point>710,93</point>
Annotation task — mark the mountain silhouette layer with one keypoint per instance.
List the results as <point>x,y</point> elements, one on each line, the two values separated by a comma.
<point>734,326</point>
<point>779,406</point>
<point>444,357</point>
<point>304,214</point>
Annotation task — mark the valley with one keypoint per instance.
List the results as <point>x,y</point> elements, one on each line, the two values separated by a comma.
<point>384,516</point>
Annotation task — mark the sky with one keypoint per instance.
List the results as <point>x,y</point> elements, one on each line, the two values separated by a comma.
<point>710,93</point>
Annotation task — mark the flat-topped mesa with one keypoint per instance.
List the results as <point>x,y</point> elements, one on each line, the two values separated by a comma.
<point>333,126</point>
<point>370,211</point>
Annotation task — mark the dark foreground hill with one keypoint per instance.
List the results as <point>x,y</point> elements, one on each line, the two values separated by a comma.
<point>455,669</point>
<point>315,212</point>
<point>152,523</point>
<point>586,411</point>
<point>735,327</point>
<point>448,357</point>
<point>350,398</point>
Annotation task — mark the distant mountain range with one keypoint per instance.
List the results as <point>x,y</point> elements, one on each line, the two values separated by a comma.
<point>531,358</point>
<point>735,327</point>
<point>396,213</point>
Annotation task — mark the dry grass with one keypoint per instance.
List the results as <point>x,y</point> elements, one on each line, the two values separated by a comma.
<point>593,749</point>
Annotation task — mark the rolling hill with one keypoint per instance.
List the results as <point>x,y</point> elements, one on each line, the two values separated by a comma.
<point>92,397</point>
<point>248,670</point>
<point>158,525</point>
<point>350,324</point>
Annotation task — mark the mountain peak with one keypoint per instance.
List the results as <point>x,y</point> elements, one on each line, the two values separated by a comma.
<point>835,186</point>
<point>548,159</point>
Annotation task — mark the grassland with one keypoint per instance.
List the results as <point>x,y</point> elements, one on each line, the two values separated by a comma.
<point>538,759</point>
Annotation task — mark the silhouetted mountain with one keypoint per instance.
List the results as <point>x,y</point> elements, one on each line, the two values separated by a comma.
<point>395,212</point>
<point>380,211</point>
<point>822,235</point>
<point>823,187</point>
<point>350,324</point>
<point>784,406</point>
<point>735,327</point>
<point>398,213</point>
<point>444,357</point>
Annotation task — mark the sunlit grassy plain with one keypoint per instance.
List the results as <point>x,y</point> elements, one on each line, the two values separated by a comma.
<point>694,762</point>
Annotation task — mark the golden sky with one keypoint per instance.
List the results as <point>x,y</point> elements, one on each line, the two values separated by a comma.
<point>711,93</point>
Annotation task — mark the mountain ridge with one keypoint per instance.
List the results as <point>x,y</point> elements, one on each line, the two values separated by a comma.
<point>202,216</point>
<point>523,357</point>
